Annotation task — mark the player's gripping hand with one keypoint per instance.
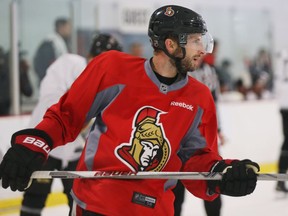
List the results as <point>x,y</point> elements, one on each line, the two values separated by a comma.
<point>29,150</point>
<point>239,178</point>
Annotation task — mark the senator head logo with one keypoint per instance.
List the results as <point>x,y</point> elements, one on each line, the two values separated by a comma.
<point>148,149</point>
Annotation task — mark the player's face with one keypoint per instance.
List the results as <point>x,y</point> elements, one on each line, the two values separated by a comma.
<point>195,50</point>
<point>197,46</point>
<point>149,152</point>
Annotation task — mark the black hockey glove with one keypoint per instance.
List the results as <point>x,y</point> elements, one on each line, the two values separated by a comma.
<point>239,178</point>
<point>28,153</point>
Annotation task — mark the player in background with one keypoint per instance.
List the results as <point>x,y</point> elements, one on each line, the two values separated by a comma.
<point>150,116</point>
<point>281,92</point>
<point>58,79</point>
<point>53,46</point>
<point>136,49</point>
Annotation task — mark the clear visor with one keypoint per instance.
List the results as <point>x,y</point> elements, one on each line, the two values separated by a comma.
<point>201,42</point>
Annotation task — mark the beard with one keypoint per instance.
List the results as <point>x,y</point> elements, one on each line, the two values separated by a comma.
<point>186,64</point>
<point>192,63</point>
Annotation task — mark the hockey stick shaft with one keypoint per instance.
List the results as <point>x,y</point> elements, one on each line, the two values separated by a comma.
<point>147,175</point>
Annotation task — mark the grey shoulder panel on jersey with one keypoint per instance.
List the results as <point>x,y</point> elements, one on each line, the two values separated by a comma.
<point>193,139</point>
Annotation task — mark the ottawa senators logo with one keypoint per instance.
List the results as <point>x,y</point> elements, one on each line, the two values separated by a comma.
<point>169,11</point>
<point>148,149</point>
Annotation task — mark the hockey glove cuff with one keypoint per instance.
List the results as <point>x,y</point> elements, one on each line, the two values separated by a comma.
<point>239,178</point>
<point>33,139</point>
<point>28,153</point>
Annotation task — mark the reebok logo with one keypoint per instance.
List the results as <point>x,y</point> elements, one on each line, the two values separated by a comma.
<point>182,104</point>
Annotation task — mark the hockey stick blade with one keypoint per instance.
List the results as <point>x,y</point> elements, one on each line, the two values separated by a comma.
<point>147,175</point>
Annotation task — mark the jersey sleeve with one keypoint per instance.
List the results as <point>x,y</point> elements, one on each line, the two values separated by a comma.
<point>204,159</point>
<point>64,120</point>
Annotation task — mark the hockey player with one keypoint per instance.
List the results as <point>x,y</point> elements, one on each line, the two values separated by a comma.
<point>150,116</point>
<point>58,79</point>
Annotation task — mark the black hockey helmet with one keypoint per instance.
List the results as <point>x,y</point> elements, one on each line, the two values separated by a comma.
<point>103,42</point>
<point>173,20</point>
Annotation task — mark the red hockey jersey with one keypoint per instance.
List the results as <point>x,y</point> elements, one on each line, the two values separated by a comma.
<point>140,125</point>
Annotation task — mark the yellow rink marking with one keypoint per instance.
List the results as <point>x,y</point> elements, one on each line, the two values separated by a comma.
<point>9,206</point>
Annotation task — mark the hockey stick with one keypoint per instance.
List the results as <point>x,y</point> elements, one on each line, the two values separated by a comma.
<point>146,175</point>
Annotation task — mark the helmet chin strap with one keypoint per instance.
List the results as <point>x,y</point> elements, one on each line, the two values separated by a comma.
<point>177,60</point>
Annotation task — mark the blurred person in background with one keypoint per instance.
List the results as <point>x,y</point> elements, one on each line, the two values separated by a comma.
<point>136,49</point>
<point>224,74</point>
<point>53,46</point>
<point>261,73</point>
<point>5,85</point>
<point>223,71</point>
<point>242,83</point>
<point>58,79</point>
<point>281,93</point>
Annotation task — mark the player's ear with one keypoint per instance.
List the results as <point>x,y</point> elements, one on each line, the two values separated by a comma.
<point>171,45</point>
